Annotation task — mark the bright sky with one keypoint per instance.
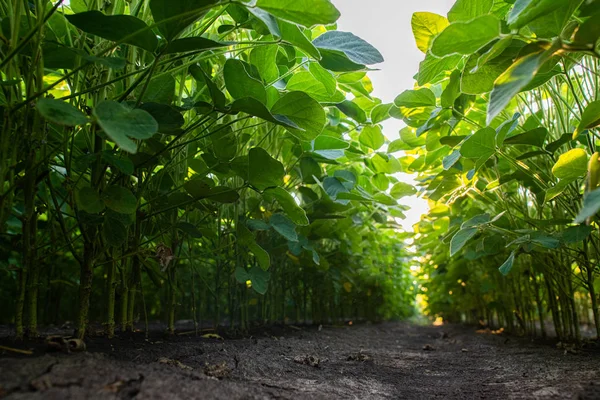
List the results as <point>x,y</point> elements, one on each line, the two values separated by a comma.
<point>386,25</point>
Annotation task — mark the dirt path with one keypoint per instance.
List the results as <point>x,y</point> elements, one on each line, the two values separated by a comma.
<point>388,361</point>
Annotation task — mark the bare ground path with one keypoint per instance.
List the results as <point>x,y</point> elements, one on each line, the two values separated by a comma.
<point>387,361</point>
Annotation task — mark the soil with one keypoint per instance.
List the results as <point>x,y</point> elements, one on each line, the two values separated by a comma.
<point>383,361</point>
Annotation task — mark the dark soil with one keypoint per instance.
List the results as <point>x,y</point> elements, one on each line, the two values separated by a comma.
<point>387,361</point>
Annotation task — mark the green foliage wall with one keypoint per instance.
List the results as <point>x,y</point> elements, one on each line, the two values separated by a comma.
<point>193,159</point>
<point>502,131</point>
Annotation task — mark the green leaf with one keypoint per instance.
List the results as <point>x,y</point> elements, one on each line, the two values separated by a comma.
<point>460,239</point>
<point>173,16</point>
<point>169,119</point>
<point>89,201</point>
<point>591,206</point>
<point>119,199</point>
<point>355,48</point>
<point>255,108</point>
<point>571,165</point>
<point>426,26</point>
<point>304,12</point>
<point>452,90</point>
<point>60,112</point>
<point>304,111</point>
<point>353,110</point>
<point>196,43</point>
<point>526,11</point>
<point>264,261</point>
<point>240,84</point>
<point>284,227</point>
<point>480,145</point>
<point>258,276</point>
<point>372,137</point>
<point>508,264</point>
<point>338,62</point>
<point>576,234</point>
<point>416,98</point>
<point>511,82</point>
<point>401,189</point>
<point>189,229</point>
<point>160,90</point>
<point>257,225</point>
<point>123,164</point>
<point>293,35</point>
<point>589,119</point>
<point>223,194</point>
<point>333,187</point>
<point>264,170</point>
<point>115,232</point>
<point>534,137</point>
<point>432,69</point>
<point>465,10</point>
<point>306,82</point>
<point>466,37</point>
<point>309,169</point>
<point>122,124</point>
<point>118,28</point>
<point>288,204</point>
<point>264,58</point>
<point>480,79</point>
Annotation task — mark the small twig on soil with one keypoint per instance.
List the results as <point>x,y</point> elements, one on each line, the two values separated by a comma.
<point>193,332</point>
<point>26,352</point>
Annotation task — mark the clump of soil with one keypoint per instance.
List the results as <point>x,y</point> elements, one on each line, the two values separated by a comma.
<point>305,363</point>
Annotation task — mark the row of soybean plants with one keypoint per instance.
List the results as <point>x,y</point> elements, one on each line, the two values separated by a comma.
<point>206,160</point>
<point>502,132</point>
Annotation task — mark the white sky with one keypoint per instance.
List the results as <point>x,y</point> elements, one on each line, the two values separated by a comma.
<point>386,25</point>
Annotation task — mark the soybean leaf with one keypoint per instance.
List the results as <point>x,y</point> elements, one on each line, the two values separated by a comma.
<point>240,84</point>
<point>115,232</point>
<point>534,137</point>
<point>303,111</point>
<point>292,34</point>
<point>372,137</point>
<point>466,37</point>
<point>264,171</point>
<point>576,234</point>
<point>508,264</point>
<point>282,225</point>
<point>304,12</point>
<point>355,48</point>
<point>89,201</point>
<point>264,58</point>
<point>119,199</point>
<point>416,98</point>
<point>123,164</point>
<point>460,239</point>
<point>401,189</point>
<point>121,124</point>
<point>125,28</point>
<point>60,112</point>
<point>288,204</point>
<point>590,118</point>
<point>511,82</point>
<point>338,62</point>
<point>465,10</point>
<point>255,108</point>
<point>259,276</point>
<point>426,26</point>
<point>159,90</point>
<point>481,145</point>
<point>173,16</point>
<point>571,165</point>
<point>591,205</point>
<point>197,43</point>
